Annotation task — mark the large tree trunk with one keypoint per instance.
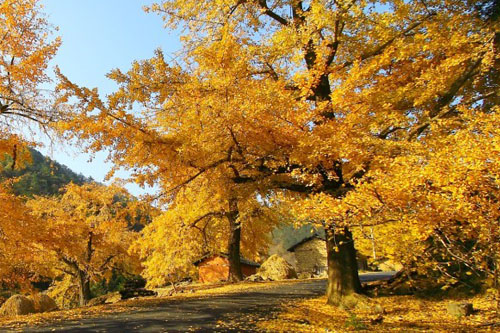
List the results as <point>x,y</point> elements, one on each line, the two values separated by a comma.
<point>83,276</point>
<point>84,287</point>
<point>343,278</point>
<point>233,246</point>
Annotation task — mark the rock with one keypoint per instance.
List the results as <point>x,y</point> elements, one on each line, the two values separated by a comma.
<point>254,278</point>
<point>164,292</point>
<point>43,303</point>
<point>17,305</point>
<point>378,309</point>
<point>113,297</point>
<point>377,320</point>
<point>322,274</point>
<point>305,275</point>
<point>460,309</point>
<point>105,299</point>
<point>136,292</point>
<point>97,301</point>
<point>277,268</point>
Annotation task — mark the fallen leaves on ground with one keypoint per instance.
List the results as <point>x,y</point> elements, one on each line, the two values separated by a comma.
<point>196,291</point>
<point>400,314</point>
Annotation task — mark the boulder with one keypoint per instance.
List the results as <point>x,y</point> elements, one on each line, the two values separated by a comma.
<point>254,278</point>
<point>100,300</point>
<point>460,309</point>
<point>164,292</point>
<point>136,292</point>
<point>17,305</point>
<point>105,299</point>
<point>378,309</point>
<point>113,298</point>
<point>305,275</point>
<point>277,268</point>
<point>43,303</point>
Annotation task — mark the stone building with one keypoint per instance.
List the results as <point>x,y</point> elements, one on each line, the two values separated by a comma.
<point>310,256</point>
<point>215,267</point>
<point>312,259</point>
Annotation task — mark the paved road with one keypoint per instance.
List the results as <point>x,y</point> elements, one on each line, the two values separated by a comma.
<point>200,314</point>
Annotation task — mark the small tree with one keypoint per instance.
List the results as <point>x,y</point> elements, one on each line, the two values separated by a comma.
<point>16,226</point>
<point>84,232</point>
<point>204,218</point>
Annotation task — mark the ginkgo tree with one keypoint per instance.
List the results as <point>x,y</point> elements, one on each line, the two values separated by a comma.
<point>85,232</point>
<point>17,253</point>
<point>204,219</point>
<point>305,98</point>
<point>175,155</point>
<point>26,48</point>
<point>444,210</point>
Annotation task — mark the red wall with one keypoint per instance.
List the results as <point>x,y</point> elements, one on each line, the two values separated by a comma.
<point>216,269</point>
<point>248,270</point>
<point>213,269</point>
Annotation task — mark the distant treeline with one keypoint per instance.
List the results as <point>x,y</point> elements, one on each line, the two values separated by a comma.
<point>40,176</point>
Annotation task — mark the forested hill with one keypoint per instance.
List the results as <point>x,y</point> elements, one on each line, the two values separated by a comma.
<point>41,176</point>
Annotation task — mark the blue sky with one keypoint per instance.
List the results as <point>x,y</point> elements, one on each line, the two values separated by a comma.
<point>99,35</point>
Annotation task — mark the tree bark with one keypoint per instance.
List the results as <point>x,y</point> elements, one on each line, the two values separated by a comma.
<point>374,247</point>
<point>233,246</point>
<point>84,287</point>
<point>83,276</point>
<point>343,278</point>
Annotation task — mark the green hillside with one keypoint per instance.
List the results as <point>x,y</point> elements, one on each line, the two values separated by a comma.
<point>41,176</point>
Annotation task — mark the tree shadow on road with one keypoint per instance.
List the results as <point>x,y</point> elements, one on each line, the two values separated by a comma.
<point>195,314</point>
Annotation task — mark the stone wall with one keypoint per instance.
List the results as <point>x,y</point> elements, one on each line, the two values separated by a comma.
<point>311,257</point>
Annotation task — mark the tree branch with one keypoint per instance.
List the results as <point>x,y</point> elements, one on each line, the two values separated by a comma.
<point>270,13</point>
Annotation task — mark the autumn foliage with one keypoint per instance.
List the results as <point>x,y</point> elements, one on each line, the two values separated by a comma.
<point>85,233</point>
<point>345,114</point>
<point>318,103</point>
<point>26,47</point>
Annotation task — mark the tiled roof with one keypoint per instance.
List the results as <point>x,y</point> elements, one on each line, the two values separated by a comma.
<point>225,255</point>
<point>305,240</point>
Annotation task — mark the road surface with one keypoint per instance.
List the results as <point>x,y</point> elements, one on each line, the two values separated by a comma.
<point>198,314</point>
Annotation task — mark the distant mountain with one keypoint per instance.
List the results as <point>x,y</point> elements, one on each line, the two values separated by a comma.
<point>41,176</point>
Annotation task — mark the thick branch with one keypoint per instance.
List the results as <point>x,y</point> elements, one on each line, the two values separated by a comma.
<point>270,13</point>
<point>207,215</point>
